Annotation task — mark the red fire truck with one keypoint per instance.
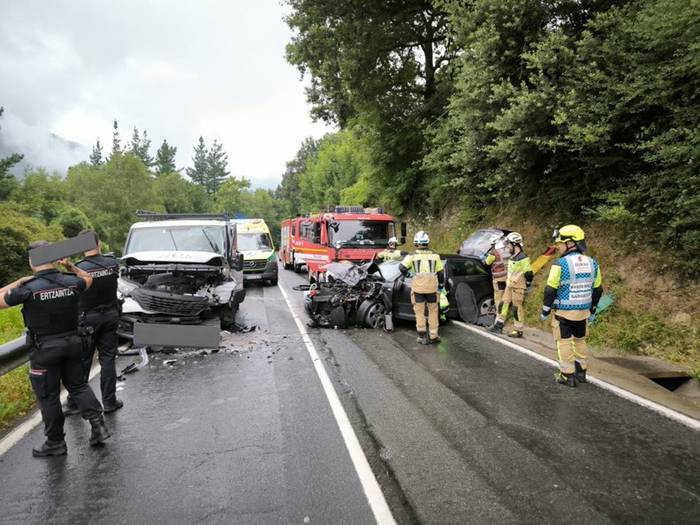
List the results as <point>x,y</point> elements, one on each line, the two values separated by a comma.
<point>342,233</point>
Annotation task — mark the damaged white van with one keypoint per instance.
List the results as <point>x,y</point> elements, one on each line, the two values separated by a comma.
<point>180,269</point>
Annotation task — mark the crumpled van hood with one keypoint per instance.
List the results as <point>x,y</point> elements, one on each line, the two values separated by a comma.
<point>172,257</point>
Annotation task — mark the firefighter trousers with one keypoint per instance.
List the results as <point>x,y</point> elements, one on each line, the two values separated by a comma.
<point>499,286</point>
<point>421,302</point>
<point>513,297</point>
<point>570,337</point>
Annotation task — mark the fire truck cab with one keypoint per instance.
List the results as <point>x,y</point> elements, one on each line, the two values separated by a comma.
<point>342,233</point>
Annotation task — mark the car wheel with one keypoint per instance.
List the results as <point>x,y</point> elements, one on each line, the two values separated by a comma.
<point>374,315</point>
<point>273,282</point>
<point>487,306</point>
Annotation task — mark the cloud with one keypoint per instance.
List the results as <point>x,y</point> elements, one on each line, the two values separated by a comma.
<point>177,69</point>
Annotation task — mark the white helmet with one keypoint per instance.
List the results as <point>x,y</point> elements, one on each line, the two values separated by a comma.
<point>515,238</point>
<point>393,241</point>
<point>421,239</point>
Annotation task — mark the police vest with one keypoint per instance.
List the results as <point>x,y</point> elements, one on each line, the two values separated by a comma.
<point>578,273</point>
<point>103,292</point>
<point>51,305</point>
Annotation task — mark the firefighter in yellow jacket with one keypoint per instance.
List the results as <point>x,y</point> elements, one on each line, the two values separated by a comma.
<point>428,276</point>
<point>518,280</point>
<point>392,253</point>
<point>574,287</point>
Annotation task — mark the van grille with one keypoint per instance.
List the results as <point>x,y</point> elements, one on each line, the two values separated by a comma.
<point>169,303</point>
<point>254,265</point>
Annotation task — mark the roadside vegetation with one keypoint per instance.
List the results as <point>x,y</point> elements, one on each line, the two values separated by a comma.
<point>16,397</point>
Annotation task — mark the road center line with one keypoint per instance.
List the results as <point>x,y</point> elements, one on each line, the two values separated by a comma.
<point>621,392</point>
<point>370,485</point>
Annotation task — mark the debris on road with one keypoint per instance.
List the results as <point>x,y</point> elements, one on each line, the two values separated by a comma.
<point>170,361</point>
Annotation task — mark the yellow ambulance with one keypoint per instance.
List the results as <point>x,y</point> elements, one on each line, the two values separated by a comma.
<point>259,258</point>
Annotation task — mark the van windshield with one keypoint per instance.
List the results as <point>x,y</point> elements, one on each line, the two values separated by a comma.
<point>185,239</point>
<point>360,233</point>
<point>249,242</point>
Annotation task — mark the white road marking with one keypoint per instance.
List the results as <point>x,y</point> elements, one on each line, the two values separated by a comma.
<point>14,437</point>
<point>639,400</point>
<point>375,497</point>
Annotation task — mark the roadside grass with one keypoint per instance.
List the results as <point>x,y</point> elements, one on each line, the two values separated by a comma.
<point>16,396</point>
<point>655,313</point>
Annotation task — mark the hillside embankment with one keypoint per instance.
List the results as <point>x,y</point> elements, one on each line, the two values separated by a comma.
<point>656,312</point>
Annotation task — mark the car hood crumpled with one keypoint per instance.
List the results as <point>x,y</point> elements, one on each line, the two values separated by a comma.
<point>171,257</point>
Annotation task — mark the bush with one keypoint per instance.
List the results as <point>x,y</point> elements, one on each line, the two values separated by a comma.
<point>16,232</point>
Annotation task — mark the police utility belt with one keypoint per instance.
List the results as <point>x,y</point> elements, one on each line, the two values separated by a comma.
<point>83,336</point>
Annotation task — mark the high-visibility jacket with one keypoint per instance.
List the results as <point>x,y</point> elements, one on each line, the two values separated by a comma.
<point>425,266</point>
<point>574,276</point>
<point>519,271</point>
<point>390,255</point>
<point>498,261</point>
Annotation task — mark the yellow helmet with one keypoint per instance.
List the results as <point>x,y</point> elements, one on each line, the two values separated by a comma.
<point>570,232</point>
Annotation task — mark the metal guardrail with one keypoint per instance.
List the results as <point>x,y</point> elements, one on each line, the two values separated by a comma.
<point>13,354</point>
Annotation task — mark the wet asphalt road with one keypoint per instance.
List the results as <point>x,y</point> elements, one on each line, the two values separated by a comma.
<point>468,432</point>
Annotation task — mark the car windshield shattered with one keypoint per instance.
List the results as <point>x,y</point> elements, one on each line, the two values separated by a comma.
<point>186,239</point>
<point>372,233</point>
<point>248,242</point>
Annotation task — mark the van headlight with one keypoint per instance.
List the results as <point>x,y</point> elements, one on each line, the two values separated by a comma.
<point>125,287</point>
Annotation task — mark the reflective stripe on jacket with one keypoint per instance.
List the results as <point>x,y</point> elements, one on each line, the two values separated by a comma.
<point>425,265</point>
<point>518,267</point>
<point>498,263</point>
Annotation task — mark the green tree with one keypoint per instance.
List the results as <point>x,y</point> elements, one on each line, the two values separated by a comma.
<point>165,159</point>
<point>72,221</point>
<point>289,189</point>
<point>116,141</point>
<point>17,231</point>
<point>178,195</point>
<point>96,158</point>
<point>40,195</point>
<point>198,172</point>
<point>7,180</point>
<point>109,196</point>
<point>217,167</point>
<point>231,195</point>
<point>140,146</point>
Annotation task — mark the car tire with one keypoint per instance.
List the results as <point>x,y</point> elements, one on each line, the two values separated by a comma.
<point>273,282</point>
<point>373,314</point>
<point>466,303</point>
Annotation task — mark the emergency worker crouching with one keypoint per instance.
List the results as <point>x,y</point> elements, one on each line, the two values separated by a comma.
<point>99,314</point>
<point>428,276</point>
<point>497,258</point>
<point>518,279</point>
<point>50,311</point>
<point>391,253</point>
<point>574,287</point>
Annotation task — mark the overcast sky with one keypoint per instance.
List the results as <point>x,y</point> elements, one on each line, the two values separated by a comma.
<point>180,69</point>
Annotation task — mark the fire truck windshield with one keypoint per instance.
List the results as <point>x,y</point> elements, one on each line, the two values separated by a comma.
<point>360,233</point>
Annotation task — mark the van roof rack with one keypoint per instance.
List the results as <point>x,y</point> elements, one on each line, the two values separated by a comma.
<point>158,216</point>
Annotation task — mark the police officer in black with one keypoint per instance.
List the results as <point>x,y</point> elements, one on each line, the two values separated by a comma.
<point>99,311</point>
<point>50,311</point>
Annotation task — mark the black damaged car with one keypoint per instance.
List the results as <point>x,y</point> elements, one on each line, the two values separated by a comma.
<point>362,294</point>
